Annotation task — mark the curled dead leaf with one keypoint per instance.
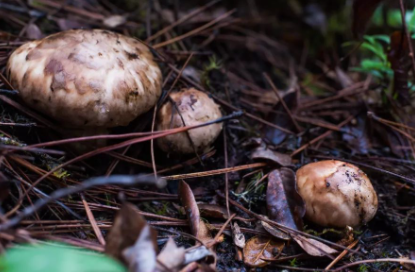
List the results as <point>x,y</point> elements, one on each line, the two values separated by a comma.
<point>215,211</point>
<point>141,257</point>
<point>171,257</point>
<point>197,226</point>
<point>275,232</point>
<point>125,232</point>
<point>285,205</point>
<point>238,236</point>
<point>265,153</point>
<point>313,247</point>
<point>258,248</point>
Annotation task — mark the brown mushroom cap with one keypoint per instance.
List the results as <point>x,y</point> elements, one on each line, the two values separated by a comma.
<point>196,108</point>
<point>336,194</point>
<point>86,78</point>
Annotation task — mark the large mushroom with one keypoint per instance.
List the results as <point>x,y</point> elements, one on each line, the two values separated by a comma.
<point>86,79</point>
<point>336,194</point>
<point>188,107</point>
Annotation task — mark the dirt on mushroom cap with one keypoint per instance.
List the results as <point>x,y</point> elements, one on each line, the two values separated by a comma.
<point>336,194</point>
<point>86,78</point>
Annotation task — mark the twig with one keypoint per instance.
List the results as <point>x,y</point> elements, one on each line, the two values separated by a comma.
<point>93,222</point>
<point>216,171</point>
<point>374,261</point>
<point>341,255</point>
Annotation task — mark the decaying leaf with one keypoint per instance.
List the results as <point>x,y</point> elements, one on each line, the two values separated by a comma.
<point>285,205</point>
<point>279,117</point>
<point>195,254</point>
<point>258,248</point>
<point>141,257</point>
<point>362,12</point>
<point>171,257</point>
<point>313,247</point>
<point>197,226</point>
<point>126,231</point>
<point>263,152</point>
<point>238,236</point>
<point>275,232</point>
<point>215,211</point>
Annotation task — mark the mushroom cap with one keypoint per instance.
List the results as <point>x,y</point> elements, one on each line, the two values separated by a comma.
<point>86,78</point>
<point>336,194</point>
<point>196,108</point>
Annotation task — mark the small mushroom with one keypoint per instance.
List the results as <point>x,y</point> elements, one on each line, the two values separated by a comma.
<point>86,78</point>
<point>191,107</point>
<point>336,194</point>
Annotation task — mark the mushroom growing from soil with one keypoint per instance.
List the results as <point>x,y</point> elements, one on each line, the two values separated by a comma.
<point>86,79</point>
<point>336,194</point>
<point>191,107</point>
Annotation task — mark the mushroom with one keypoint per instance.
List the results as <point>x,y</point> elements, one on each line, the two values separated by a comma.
<point>191,107</point>
<point>336,194</point>
<point>86,79</point>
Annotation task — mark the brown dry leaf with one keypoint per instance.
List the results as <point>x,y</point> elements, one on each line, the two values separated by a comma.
<point>126,230</point>
<point>362,12</point>
<point>211,210</point>
<point>259,247</point>
<point>238,236</point>
<point>171,257</point>
<point>313,247</point>
<point>141,257</point>
<point>274,231</point>
<point>285,205</point>
<point>197,226</point>
<point>279,117</point>
<point>265,153</point>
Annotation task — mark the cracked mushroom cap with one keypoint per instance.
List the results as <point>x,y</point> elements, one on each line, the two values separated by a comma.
<point>86,78</point>
<point>336,194</point>
<point>195,108</point>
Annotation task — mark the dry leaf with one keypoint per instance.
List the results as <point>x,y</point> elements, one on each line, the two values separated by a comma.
<point>313,247</point>
<point>195,254</point>
<point>197,226</point>
<point>127,228</point>
<point>238,236</point>
<point>171,257</point>
<point>279,117</point>
<point>141,257</point>
<point>265,153</point>
<point>275,232</point>
<point>285,205</point>
<point>215,211</point>
<point>259,247</point>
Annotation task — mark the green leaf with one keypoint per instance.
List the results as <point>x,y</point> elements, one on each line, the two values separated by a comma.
<point>411,22</point>
<point>56,258</point>
<point>378,51</point>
